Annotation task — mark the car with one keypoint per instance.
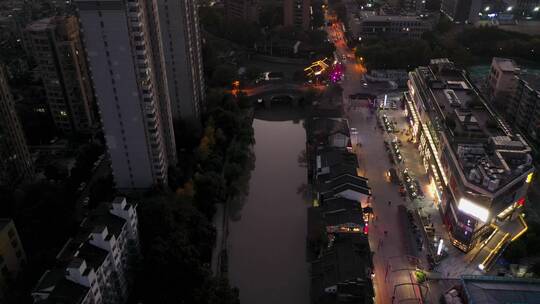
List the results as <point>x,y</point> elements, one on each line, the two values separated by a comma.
<point>86,201</point>
<point>81,187</point>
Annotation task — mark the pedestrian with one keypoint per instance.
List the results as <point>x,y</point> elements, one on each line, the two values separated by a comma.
<point>385,233</point>
<point>389,203</point>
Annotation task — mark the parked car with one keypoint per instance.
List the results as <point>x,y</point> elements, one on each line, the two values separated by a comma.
<point>86,201</point>
<point>392,176</point>
<point>81,187</point>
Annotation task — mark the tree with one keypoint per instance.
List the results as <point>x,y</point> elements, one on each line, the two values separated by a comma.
<point>176,243</point>
<point>209,191</point>
<point>252,72</point>
<point>56,171</point>
<point>223,75</point>
<point>102,190</point>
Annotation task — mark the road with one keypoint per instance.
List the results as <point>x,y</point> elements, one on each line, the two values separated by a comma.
<point>394,281</point>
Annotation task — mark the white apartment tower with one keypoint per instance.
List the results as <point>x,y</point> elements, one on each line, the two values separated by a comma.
<point>136,119</point>
<point>176,26</point>
<point>97,265</point>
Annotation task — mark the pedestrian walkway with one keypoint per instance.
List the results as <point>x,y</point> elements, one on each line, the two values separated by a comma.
<point>389,270</point>
<point>454,264</point>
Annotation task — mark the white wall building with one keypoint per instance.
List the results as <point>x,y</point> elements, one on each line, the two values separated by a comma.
<point>98,261</point>
<point>136,123</point>
<point>181,57</point>
<point>501,80</point>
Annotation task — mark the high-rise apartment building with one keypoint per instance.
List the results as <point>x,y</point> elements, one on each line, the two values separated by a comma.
<point>136,120</point>
<point>501,82</point>
<point>97,265</point>
<point>462,11</point>
<point>246,10</point>
<point>479,169</point>
<point>516,94</point>
<point>297,13</point>
<point>174,27</point>
<point>15,160</point>
<point>523,108</point>
<point>56,46</point>
<point>12,256</point>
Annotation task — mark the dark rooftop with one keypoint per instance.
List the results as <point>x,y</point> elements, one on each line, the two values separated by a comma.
<point>332,162</point>
<point>67,292</point>
<point>94,256</point>
<point>500,290</point>
<point>345,181</point>
<point>326,126</point>
<point>329,157</point>
<point>60,289</point>
<point>333,212</point>
<point>532,80</point>
<point>337,211</point>
<point>345,267</point>
<point>101,217</point>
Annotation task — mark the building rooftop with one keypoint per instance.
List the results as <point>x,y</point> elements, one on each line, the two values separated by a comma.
<point>59,289</point>
<point>500,290</point>
<point>490,155</point>
<point>331,213</point>
<point>42,24</point>
<point>326,126</point>
<point>330,157</point>
<point>343,182</point>
<point>393,18</point>
<point>78,251</point>
<point>343,271</point>
<point>331,162</point>
<point>532,80</point>
<point>505,64</point>
<point>101,217</point>
<point>338,211</point>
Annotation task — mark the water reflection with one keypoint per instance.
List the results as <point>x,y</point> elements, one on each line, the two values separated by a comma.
<point>267,240</point>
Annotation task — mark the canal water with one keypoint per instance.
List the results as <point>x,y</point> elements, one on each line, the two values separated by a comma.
<point>267,237</point>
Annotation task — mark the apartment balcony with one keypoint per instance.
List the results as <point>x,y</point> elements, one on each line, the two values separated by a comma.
<point>136,13</point>
<point>137,33</point>
<point>140,42</point>
<point>142,52</point>
<point>148,94</point>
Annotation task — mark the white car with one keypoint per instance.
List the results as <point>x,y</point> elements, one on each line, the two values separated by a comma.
<point>85,201</point>
<point>81,187</point>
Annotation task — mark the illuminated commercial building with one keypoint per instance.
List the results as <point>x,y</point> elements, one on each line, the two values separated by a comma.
<point>479,169</point>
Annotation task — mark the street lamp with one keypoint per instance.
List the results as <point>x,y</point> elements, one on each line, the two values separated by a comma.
<point>509,9</point>
<point>487,8</point>
<point>536,9</point>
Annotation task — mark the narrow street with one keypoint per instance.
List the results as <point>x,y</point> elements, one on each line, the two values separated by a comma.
<point>394,280</point>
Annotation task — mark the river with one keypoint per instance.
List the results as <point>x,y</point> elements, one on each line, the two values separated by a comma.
<point>267,241</point>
